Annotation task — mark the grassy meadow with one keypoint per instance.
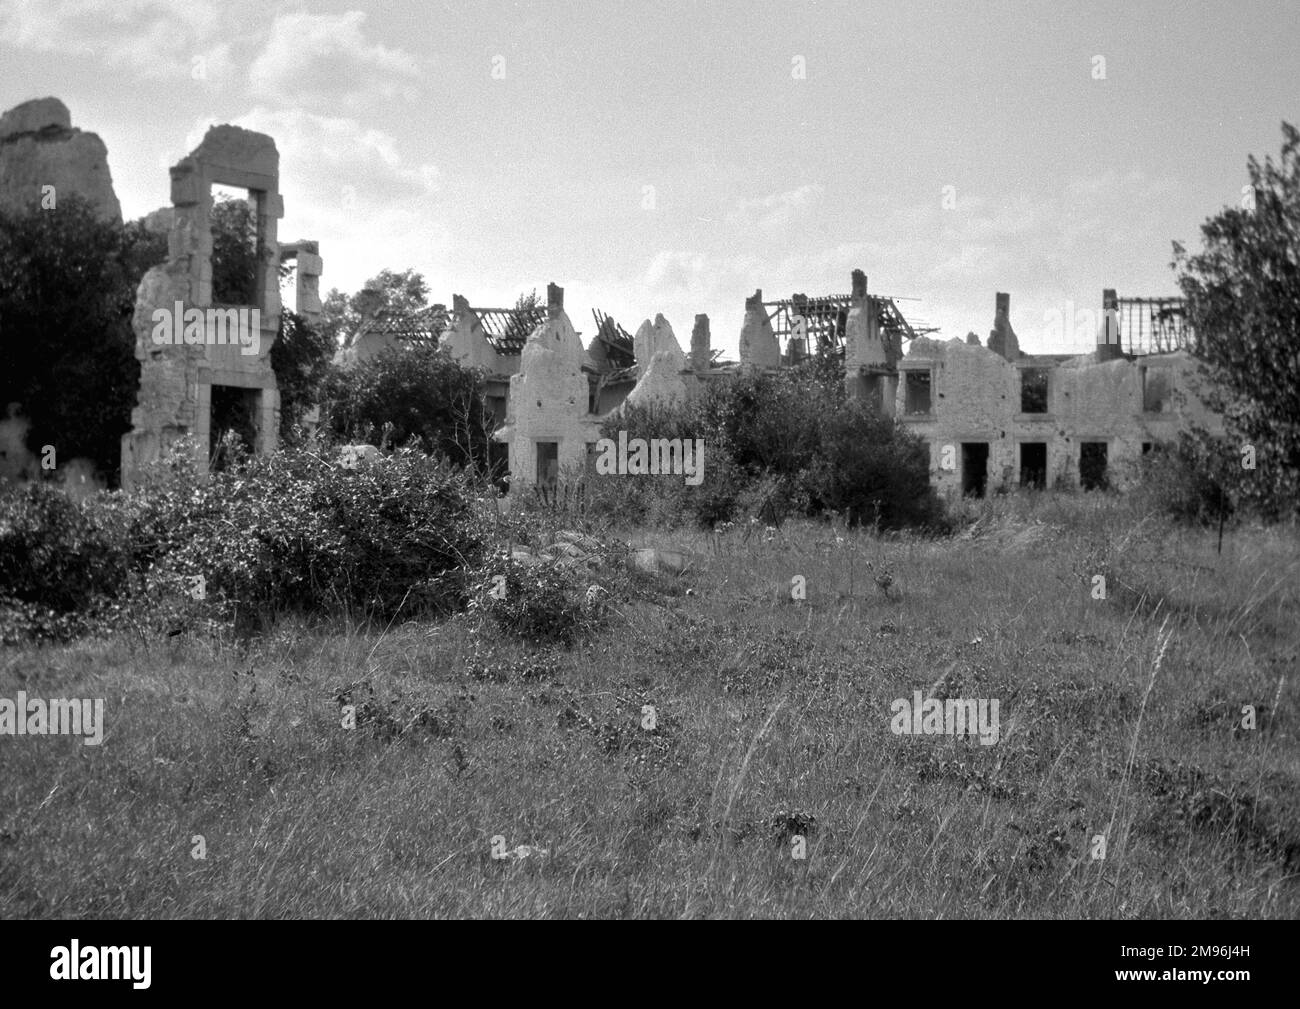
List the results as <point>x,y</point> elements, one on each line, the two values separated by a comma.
<point>1120,719</point>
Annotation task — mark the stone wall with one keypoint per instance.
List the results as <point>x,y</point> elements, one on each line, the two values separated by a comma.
<point>39,147</point>
<point>975,397</point>
<point>549,399</point>
<point>176,381</point>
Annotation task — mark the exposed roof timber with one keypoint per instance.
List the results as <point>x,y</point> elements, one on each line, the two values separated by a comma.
<point>826,316</point>
<point>422,326</point>
<point>507,329</point>
<point>1153,325</point>
<point>617,340</point>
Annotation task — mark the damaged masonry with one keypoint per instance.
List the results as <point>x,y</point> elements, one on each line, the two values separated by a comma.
<point>991,417</point>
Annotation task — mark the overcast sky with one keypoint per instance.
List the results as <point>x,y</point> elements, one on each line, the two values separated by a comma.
<point>671,157</point>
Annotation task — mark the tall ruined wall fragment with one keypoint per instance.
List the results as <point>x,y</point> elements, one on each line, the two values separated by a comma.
<point>549,399</point>
<point>758,344</point>
<point>177,379</point>
<point>39,148</point>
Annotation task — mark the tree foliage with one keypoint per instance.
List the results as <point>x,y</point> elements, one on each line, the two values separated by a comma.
<point>68,282</point>
<point>343,315</point>
<point>423,393</point>
<point>1243,300</point>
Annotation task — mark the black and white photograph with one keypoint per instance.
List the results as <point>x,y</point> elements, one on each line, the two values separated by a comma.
<point>800,460</point>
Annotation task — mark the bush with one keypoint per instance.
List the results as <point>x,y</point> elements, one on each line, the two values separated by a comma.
<point>300,357</point>
<point>1191,480</point>
<point>873,472</point>
<point>540,601</point>
<point>288,532</point>
<point>291,532</point>
<point>425,394</point>
<point>776,444</point>
<point>59,566</point>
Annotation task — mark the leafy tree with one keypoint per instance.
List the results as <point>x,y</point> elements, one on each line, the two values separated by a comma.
<point>342,315</point>
<point>235,253</point>
<point>1243,300</point>
<point>68,282</point>
<point>301,359</point>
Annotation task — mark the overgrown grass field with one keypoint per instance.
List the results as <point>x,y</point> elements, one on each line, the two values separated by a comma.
<point>1126,781</point>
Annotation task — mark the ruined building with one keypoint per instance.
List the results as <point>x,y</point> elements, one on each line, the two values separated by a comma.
<point>991,416</point>
<point>204,368</point>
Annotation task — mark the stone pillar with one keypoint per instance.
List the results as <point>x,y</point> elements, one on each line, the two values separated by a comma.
<point>554,301</point>
<point>700,344</point>
<point>758,346</point>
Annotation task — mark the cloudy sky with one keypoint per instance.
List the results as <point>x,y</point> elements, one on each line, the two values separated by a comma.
<point>671,157</point>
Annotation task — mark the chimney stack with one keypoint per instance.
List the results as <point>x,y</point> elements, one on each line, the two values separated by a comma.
<point>1108,345</point>
<point>700,343</point>
<point>554,300</point>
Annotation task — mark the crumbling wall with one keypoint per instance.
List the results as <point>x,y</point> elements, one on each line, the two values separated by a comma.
<point>975,397</point>
<point>176,380</point>
<point>1002,337</point>
<point>39,147</point>
<point>661,383</point>
<point>758,344</point>
<point>549,398</point>
<point>870,364</point>
<point>468,343</point>
<point>654,338</point>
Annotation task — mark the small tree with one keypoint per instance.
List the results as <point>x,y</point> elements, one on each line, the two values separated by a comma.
<point>1243,300</point>
<point>300,357</point>
<point>342,315</point>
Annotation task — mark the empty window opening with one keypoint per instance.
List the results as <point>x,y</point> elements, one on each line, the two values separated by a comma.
<point>917,392</point>
<point>234,413</point>
<point>1033,464</point>
<point>1155,390</point>
<point>974,468</point>
<point>236,246</point>
<point>548,463</point>
<point>1092,465</point>
<point>1033,390</point>
<point>1146,448</point>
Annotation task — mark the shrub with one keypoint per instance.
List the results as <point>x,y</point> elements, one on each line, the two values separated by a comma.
<point>539,601</point>
<point>293,532</point>
<point>288,532</point>
<point>300,357</point>
<point>425,394</point>
<point>59,566</point>
<point>776,444</point>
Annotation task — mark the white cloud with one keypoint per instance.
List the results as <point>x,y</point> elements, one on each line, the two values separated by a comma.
<point>777,211</point>
<point>158,39</point>
<point>326,59</point>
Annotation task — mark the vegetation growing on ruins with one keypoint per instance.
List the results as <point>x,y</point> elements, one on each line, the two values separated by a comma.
<point>778,444</point>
